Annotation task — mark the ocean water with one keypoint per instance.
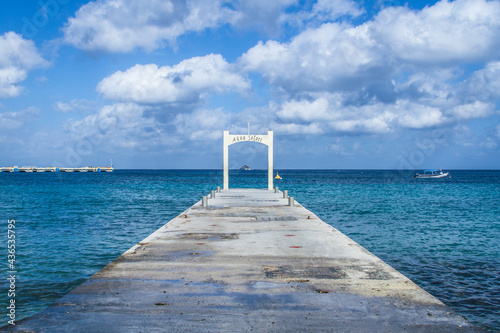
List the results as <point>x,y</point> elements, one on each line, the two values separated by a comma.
<point>444,234</point>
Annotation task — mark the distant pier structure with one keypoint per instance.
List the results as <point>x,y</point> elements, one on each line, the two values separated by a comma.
<point>266,139</point>
<point>56,169</point>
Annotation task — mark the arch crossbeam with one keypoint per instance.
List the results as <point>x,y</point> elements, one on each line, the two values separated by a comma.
<point>266,139</point>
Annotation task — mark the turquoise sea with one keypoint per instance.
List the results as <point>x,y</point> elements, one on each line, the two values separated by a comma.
<point>444,234</point>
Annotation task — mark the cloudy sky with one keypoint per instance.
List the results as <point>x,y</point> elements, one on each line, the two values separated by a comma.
<point>343,84</point>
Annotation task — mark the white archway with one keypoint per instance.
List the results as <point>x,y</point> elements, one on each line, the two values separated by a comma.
<point>267,140</point>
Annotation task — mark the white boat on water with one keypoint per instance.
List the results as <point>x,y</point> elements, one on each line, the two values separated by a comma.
<point>432,173</point>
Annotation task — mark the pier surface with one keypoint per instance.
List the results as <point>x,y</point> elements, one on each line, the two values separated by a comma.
<point>248,262</point>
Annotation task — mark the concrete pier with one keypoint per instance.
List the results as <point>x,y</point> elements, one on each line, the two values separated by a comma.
<point>248,261</point>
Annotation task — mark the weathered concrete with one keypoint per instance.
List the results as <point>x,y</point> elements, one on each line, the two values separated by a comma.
<point>249,262</point>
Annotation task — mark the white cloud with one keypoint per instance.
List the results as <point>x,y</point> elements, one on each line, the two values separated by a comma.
<point>122,125</point>
<point>460,30</point>
<point>74,105</point>
<point>324,11</point>
<point>9,79</point>
<point>305,110</point>
<point>292,128</point>
<point>134,126</point>
<point>329,57</point>
<point>62,107</point>
<point>202,125</point>
<point>16,120</point>
<point>418,116</point>
<point>474,97</point>
<point>185,83</point>
<point>329,112</point>
<point>17,57</point>
<point>269,16</point>
<point>484,84</point>
<point>19,52</point>
<point>131,126</point>
<point>473,110</point>
<point>123,25</point>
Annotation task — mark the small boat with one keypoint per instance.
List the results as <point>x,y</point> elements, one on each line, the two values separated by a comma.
<point>432,173</point>
<point>245,167</point>
<point>277,176</point>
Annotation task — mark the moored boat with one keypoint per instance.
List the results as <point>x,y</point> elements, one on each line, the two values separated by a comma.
<point>432,173</point>
<point>107,169</point>
<point>25,169</point>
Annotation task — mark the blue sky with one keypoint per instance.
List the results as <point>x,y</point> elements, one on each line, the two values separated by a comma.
<point>343,84</point>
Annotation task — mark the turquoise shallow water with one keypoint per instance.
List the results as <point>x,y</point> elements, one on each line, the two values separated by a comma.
<point>442,234</point>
